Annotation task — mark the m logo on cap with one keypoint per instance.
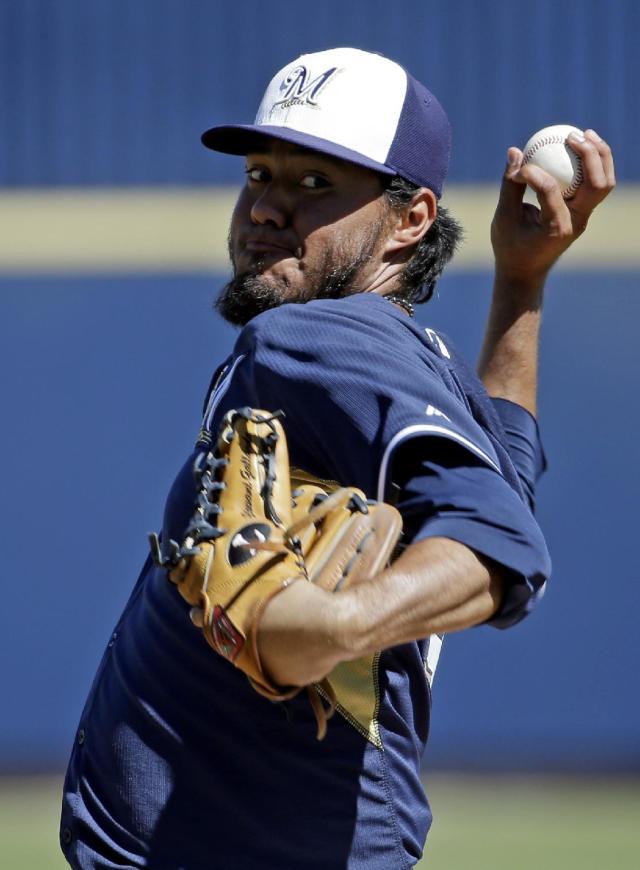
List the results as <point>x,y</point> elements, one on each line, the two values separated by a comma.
<point>298,90</point>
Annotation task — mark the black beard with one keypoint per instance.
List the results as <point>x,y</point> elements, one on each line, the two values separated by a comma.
<point>249,294</point>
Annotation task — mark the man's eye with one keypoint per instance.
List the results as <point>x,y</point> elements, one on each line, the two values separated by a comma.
<point>255,173</point>
<point>313,181</point>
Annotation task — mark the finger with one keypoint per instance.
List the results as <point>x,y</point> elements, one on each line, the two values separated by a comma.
<point>196,615</point>
<point>554,213</point>
<point>512,189</point>
<point>594,180</point>
<point>605,153</point>
<point>595,185</point>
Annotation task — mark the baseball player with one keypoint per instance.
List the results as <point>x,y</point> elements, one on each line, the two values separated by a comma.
<point>337,233</point>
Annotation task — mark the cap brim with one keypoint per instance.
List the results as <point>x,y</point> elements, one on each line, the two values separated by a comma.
<point>243,138</point>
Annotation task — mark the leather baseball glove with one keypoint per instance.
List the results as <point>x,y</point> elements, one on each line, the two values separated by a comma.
<point>250,538</point>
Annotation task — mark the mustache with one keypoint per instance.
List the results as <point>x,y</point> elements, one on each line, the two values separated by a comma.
<point>267,237</point>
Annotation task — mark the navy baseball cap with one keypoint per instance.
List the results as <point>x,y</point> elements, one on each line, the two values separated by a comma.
<point>354,105</point>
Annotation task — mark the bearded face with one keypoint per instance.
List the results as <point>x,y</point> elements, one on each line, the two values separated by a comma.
<point>306,226</point>
<point>337,273</point>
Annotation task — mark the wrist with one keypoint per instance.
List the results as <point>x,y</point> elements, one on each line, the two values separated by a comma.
<point>357,620</point>
<point>298,636</point>
<point>525,287</point>
<point>349,626</point>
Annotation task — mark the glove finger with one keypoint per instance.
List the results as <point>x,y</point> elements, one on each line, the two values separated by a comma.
<point>258,451</point>
<point>352,545</point>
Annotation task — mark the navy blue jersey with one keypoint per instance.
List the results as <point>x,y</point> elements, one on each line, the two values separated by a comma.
<point>180,763</point>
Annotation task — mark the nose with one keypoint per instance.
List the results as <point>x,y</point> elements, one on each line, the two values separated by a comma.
<point>271,206</point>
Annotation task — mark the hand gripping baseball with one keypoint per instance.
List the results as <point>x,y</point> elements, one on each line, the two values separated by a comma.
<point>248,541</point>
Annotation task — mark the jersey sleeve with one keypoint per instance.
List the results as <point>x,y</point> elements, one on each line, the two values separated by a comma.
<point>523,443</point>
<point>447,493</point>
<point>354,384</point>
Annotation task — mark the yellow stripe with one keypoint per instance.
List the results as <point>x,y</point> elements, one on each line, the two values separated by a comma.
<point>610,240</point>
<point>128,230</point>
<point>184,230</point>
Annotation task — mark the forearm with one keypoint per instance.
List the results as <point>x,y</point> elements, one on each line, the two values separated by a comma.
<point>508,362</point>
<point>436,586</point>
<point>527,241</point>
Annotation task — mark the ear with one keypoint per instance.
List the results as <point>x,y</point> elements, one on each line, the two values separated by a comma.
<point>411,224</point>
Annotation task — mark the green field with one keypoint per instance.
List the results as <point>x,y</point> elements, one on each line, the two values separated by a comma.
<point>498,823</point>
<point>533,823</point>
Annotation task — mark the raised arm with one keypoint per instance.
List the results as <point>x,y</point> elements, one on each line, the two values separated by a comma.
<point>527,241</point>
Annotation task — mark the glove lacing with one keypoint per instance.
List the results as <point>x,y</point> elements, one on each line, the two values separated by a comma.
<point>203,527</point>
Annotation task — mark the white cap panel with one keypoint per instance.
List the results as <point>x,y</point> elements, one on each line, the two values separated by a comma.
<point>334,95</point>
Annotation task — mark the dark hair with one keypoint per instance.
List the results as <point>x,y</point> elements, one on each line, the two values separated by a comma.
<point>434,250</point>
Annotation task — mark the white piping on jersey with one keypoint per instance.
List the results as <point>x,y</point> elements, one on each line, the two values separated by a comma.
<point>218,393</point>
<point>426,429</point>
<point>435,640</point>
<point>537,595</point>
<point>433,654</point>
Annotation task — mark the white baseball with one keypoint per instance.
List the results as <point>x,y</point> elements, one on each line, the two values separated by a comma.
<point>548,149</point>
